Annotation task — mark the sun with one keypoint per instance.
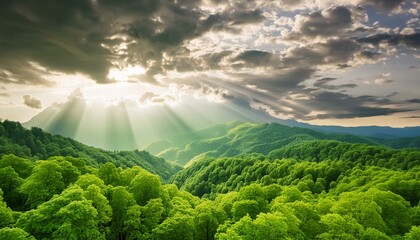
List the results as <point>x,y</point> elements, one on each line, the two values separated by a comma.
<point>127,74</point>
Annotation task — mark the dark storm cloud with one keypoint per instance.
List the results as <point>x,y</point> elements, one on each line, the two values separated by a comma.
<point>324,83</point>
<point>384,4</point>
<point>280,81</point>
<point>70,37</point>
<point>64,37</point>
<point>32,102</point>
<point>415,100</point>
<point>327,105</point>
<point>22,72</point>
<point>370,55</point>
<point>255,58</point>
<point>334,51</point>
<point>410,40</point>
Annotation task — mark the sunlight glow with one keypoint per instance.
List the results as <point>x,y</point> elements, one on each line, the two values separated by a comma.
<point>128,74</point>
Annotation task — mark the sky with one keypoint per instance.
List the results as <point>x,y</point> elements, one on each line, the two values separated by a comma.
<point>346,62</point>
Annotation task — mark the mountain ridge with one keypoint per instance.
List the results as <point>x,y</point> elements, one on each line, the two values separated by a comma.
<point>37,144</point>
<point>125,128</point>
<point>237,138</point>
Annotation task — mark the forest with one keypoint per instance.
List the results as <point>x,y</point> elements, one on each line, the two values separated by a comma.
<point>306,189</point>
<point>237,138</point>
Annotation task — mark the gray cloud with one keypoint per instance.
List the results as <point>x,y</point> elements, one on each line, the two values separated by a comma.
<point>254,57</point>
<point>414,100</point>
<point>77,36</point>
<point>410,40</point>
<point>370,55</point>
<point>90,37</point>
<point>322,23</point>
<point>31,102</point>
<point>333,52</point>
<point>323,83</point>
<point>384,4</point>
<point>339,105</point>
<point>150,97</point>
<point>281,81</point>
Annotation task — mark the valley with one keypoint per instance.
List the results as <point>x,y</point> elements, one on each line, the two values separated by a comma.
<point>240,181</point>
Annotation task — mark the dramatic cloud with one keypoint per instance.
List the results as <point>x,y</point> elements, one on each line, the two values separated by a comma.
<point>32,102</point>
<point>384,4</point>
<point>410,40</point>
<point>302,59</point>
<point>323,83</point>
<point>91,37</point>
<point>280,81</point>
<point>325,23</point>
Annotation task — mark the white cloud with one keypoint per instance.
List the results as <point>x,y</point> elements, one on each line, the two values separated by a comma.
<point>384,79</point>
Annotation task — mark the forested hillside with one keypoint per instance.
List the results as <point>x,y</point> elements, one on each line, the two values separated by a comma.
<point>236,138</point>
<point>37,144</point>
<point>300,188</point>
<point>250,197</point>
<point>314,165</point>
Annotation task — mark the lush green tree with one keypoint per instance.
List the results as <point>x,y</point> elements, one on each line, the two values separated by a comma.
<point>152,214</point>
<point>45,181</point>
<point>120,201</point>
<point>20,165</point>
<point>110,174</point>
<point>14,234</point>
<point>180,205</point>
<point>375,234</point>
<point>308,216</point>
<point>10,183</point>
<point>266,226</point>
<point>69,172</point>
<point>414,233</point>
<point>178,227</point>
<point>340,227</point>
<point>87,180</point>
<point>362,208</point>
<point>133,226</point>
<point>6,214</point>
<point>395,211</point>
<point>66,216</point>
<point>101,204</point>
<point>79,221</point>
<point>207,219</point>
<point>243,208</point>
<point>145,186</point>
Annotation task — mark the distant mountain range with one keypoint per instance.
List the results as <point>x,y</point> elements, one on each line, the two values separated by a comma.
<point>123,127</point>
<point>238,138</point>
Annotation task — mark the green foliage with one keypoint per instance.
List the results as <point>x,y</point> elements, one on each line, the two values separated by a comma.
<point>413,234</point>
<point>36,144</point>
<point>306,190</point>
<point>6,214</point>
<point>236,138</point>
<point>15,234</point>
<point>66,216</point>
<point>145,186</point>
